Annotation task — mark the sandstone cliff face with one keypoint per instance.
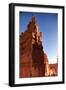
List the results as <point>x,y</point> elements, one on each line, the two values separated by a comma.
<point>33,60</point>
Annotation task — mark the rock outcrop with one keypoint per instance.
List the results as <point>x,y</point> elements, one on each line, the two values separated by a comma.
<point>33,60</point>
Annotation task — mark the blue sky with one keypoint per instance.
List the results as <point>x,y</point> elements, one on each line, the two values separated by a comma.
<point>48,25</point>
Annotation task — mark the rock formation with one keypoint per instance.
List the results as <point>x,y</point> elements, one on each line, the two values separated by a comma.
<point>33,60</point>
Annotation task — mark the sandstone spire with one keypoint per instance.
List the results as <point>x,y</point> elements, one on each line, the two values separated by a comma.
<point>31,52</point>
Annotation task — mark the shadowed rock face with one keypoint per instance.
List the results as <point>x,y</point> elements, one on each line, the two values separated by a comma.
<point>38,58</point>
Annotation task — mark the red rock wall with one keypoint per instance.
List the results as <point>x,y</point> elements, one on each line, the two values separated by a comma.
<point>31,53</point>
